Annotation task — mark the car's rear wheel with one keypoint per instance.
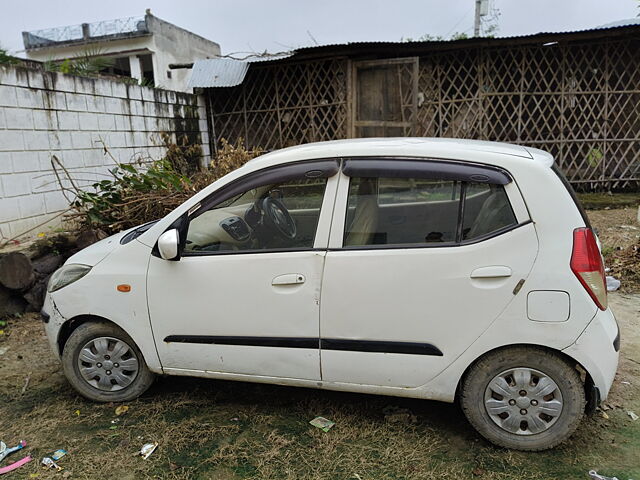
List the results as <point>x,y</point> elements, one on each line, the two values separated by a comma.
<point>104,364</point>
<point>523,398</point>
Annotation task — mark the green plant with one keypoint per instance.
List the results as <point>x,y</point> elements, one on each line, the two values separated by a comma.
<point>135,194</point>
<point>89,63</point>
<point>6,59</point>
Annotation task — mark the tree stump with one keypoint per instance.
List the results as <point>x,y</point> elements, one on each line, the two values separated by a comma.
<point>16,271</point>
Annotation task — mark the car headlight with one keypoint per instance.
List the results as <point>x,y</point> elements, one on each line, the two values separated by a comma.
<point>67,275</point>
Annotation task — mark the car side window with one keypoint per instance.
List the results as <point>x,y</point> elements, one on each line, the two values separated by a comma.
<point>423,211</point>
<point>397,211</point>
<point>486,210</point>
<point>273,216</point>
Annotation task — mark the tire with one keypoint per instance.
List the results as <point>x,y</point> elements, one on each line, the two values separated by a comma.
<point>105,350</point>
<point>493,401</point>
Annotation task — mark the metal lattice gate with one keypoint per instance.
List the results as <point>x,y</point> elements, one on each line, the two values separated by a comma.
<point>581,102</point>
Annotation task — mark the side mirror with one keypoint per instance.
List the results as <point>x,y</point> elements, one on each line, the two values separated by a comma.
<point>168,244</point>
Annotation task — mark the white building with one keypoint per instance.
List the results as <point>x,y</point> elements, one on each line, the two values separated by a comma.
<point>141,47</point>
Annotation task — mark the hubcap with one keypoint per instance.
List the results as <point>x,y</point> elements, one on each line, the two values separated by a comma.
<point>108,364</point>
<point>523,401</point>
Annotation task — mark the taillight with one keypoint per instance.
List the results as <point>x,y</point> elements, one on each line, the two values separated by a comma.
<point>586,263</point>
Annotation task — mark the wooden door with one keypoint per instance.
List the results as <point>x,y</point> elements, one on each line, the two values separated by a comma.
<point>386,97</point>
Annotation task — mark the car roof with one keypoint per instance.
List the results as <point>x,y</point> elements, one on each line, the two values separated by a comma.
<point>447,148</point>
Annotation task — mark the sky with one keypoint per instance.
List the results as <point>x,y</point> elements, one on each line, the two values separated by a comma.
<point>281,25</point>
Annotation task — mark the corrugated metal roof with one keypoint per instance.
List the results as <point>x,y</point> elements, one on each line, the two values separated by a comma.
<point>217,72</point>
<point>225,72</point>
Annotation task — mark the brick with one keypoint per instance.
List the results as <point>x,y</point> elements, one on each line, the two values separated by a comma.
<point>44,159</point>
<point>5,230</point>
<point>122,122</point>
<point>29,98</point>
<point>22,78</point>
<point>6,164</point>
<point>7,76</point>
<point>81,140</point>
<point>21,228</point>
<point>151,124</point>
<point>93,157</point>
<point>147,94</point>
<point>116,140</point>
<point>19,118</point>
<point>119,89</point>
<point>45,120</point>
<point>11,140</point>
<point>59,140</point>
<point>134,92</point>
<point>36,140</point>
<point>114,105</point>
<point>95,103</point>
<point>35,79</point>
<point>150,109</point>
<point>25,161</point>
<point>3,121</point>
<point>85,85</point>
<point>103,88</point>
<point>68,121</point>
<point>31,205</point>
<point>16,184</point>
<point>55,202</point>
<point>44,182</point>
<point>9,209</point>
<point>8,96</point>
<point>88,121</point>
<point>72,159</point>
<point>106,122</point>
<point>65,83</point>
<point>138,124</point>
<point>54,100</point>
<point>76,102</point>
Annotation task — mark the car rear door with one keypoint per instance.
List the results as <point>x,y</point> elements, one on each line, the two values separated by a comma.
<point>423,256</point>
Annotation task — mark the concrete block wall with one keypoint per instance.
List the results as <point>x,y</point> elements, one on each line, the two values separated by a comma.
<point>44,114</point>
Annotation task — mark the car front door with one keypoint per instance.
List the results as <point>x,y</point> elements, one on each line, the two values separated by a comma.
<point>423,256</point>
<point>244,296</point>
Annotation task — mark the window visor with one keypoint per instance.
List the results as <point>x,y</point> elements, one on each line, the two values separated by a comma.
<point>432,169</point>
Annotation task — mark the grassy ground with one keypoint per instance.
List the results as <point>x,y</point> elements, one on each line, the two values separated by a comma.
<point>597,201</point>
<point>226,430</point>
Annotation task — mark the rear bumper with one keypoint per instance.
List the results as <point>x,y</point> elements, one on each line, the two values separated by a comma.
<point>596,349</point>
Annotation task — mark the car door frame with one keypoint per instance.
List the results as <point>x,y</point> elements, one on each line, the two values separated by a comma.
<point>280,172</point>
<point>466,171</point>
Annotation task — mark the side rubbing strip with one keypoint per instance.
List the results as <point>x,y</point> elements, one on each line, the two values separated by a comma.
<point>324,343</point>
<point>287,342</point>
<point>380,347</point>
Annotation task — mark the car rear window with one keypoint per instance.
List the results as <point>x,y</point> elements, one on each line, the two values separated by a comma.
<point>572,192</point>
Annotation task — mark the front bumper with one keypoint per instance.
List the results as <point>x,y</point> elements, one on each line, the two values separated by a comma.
<point>596,349</point>
<point>53,321</point>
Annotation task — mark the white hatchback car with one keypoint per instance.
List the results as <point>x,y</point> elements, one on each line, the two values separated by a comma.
<point>426,268</point>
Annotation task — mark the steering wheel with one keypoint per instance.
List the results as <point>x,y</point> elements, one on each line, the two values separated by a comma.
<point>279,218</point>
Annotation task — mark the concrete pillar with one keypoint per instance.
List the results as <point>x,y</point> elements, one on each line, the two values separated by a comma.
<point>134,65</point>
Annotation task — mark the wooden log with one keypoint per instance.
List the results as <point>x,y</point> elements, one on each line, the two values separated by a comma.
<point>16,271</point>
<point>10,303</point>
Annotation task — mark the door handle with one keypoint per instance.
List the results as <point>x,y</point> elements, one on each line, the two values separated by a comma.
<point>494,271</point>
<point>288,279</point>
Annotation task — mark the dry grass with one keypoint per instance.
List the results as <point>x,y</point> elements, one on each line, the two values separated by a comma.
<point>619,232</point>
<point>228,430</point>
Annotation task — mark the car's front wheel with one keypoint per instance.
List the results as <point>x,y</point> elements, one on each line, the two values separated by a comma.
<point>523,398</point>
<point>104,364</point>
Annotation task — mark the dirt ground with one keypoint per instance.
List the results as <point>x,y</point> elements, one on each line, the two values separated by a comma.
<point>228,430</point>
